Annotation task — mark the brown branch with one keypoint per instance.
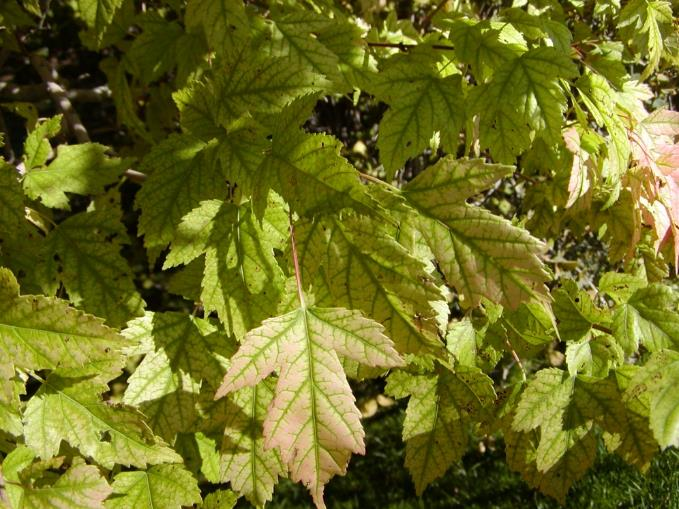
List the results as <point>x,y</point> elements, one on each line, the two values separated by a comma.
<point>38,92</point>
<point>405,46</point>
<point>50,77</point>
<point>295,260</point>
<point>426,21</point>
<point>602,328</point>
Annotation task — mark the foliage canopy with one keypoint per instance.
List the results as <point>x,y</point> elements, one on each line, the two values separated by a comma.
<point>301,263</point>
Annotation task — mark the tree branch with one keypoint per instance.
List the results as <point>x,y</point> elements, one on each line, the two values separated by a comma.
<point>405,47</point>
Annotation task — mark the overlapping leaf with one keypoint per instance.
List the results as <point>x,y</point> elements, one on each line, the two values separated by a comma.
<point>39,332</point>
<point>166,486</point>
<point>364,268</point>
<point>72,410</point>
<point>181,359</point>
<point>441,407</point>
<point>524,97</point>
<point>242,280</point>
<point>83,253</point>
<point>423,100</point>
<point>482,255</point>
<point>312,420</point>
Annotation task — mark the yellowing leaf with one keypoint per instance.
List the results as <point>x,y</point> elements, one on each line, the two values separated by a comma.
<point>39,332</point>
<point>73,411</point>
<point>166,486</point>
<point>313,419</point>
<point>80,487</point>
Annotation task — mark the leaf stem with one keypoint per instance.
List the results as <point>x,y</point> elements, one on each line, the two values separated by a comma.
<point>516,359</point>
<point>376,180</point>
<point>602,328</point>
<point>295,261</point>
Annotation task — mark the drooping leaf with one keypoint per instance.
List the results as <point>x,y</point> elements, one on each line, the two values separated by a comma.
<point>441,407</point>
<point>98,14</point>
<point>83,253</point>
<point>544,400</point>
<point>166,486</point>
<point>312,420</point>
<point>664,416</point>
<point>72,410</point>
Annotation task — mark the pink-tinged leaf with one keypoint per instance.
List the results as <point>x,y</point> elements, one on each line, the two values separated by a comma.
<point>313,419</point>
<point>578,183</point>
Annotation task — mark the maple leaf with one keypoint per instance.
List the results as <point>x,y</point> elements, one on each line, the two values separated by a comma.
<point>523,97</point>
<point>72,410</point>
<point>224,23</point>
<point>312,419</point>
<point>365,268</point>
<point>80,487</point>
<point>482,255</point>
<point>441,408</point>
<point>423,100</point>
<point>166,486</point>
<point>182,357</point>
<point>39,332</point>
<point>83,253</point>
<point>98,14</point>
<point>80,169</point>
<point>242,280</point>
<point>241,458</point>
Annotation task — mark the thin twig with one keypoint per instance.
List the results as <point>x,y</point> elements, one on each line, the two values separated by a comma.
<point>405,46</point>
<point>602,328</point>
<point>135,176</point>
<point>295,260</point>
<point>38,92</point>
<point>375,179</point>
<point>426,21</point>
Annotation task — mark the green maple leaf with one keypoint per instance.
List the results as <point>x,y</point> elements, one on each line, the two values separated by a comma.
<point>181,176</point>
<point>83,253</point>
<point>80,487</point>
<point>20,243</point>
<point>522,447</point>
<point>544,400</point>
<point>220,499</point>
<point>441,407</point>
<point>256,84</point>
<point>37,147</point>
<point>98,14</point>
<point>242,280</point>
<point>224,23</point>
<point>649,317</point>
<point>72,410</point>
<point>575,312</point>
<point>485,45</point>
<point>182,357</point>
<point>312,420</point>
<point>242,459</point>
<point>308,171</point>
<point>166,486</point>
<point>423,100</point>
<point>523,97</point>
<point>646,25</point>
<point>664,418</point>
<point>482,255</point>
<point>80,169</point>
<point>365,268</point>
<point>39,332</point>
